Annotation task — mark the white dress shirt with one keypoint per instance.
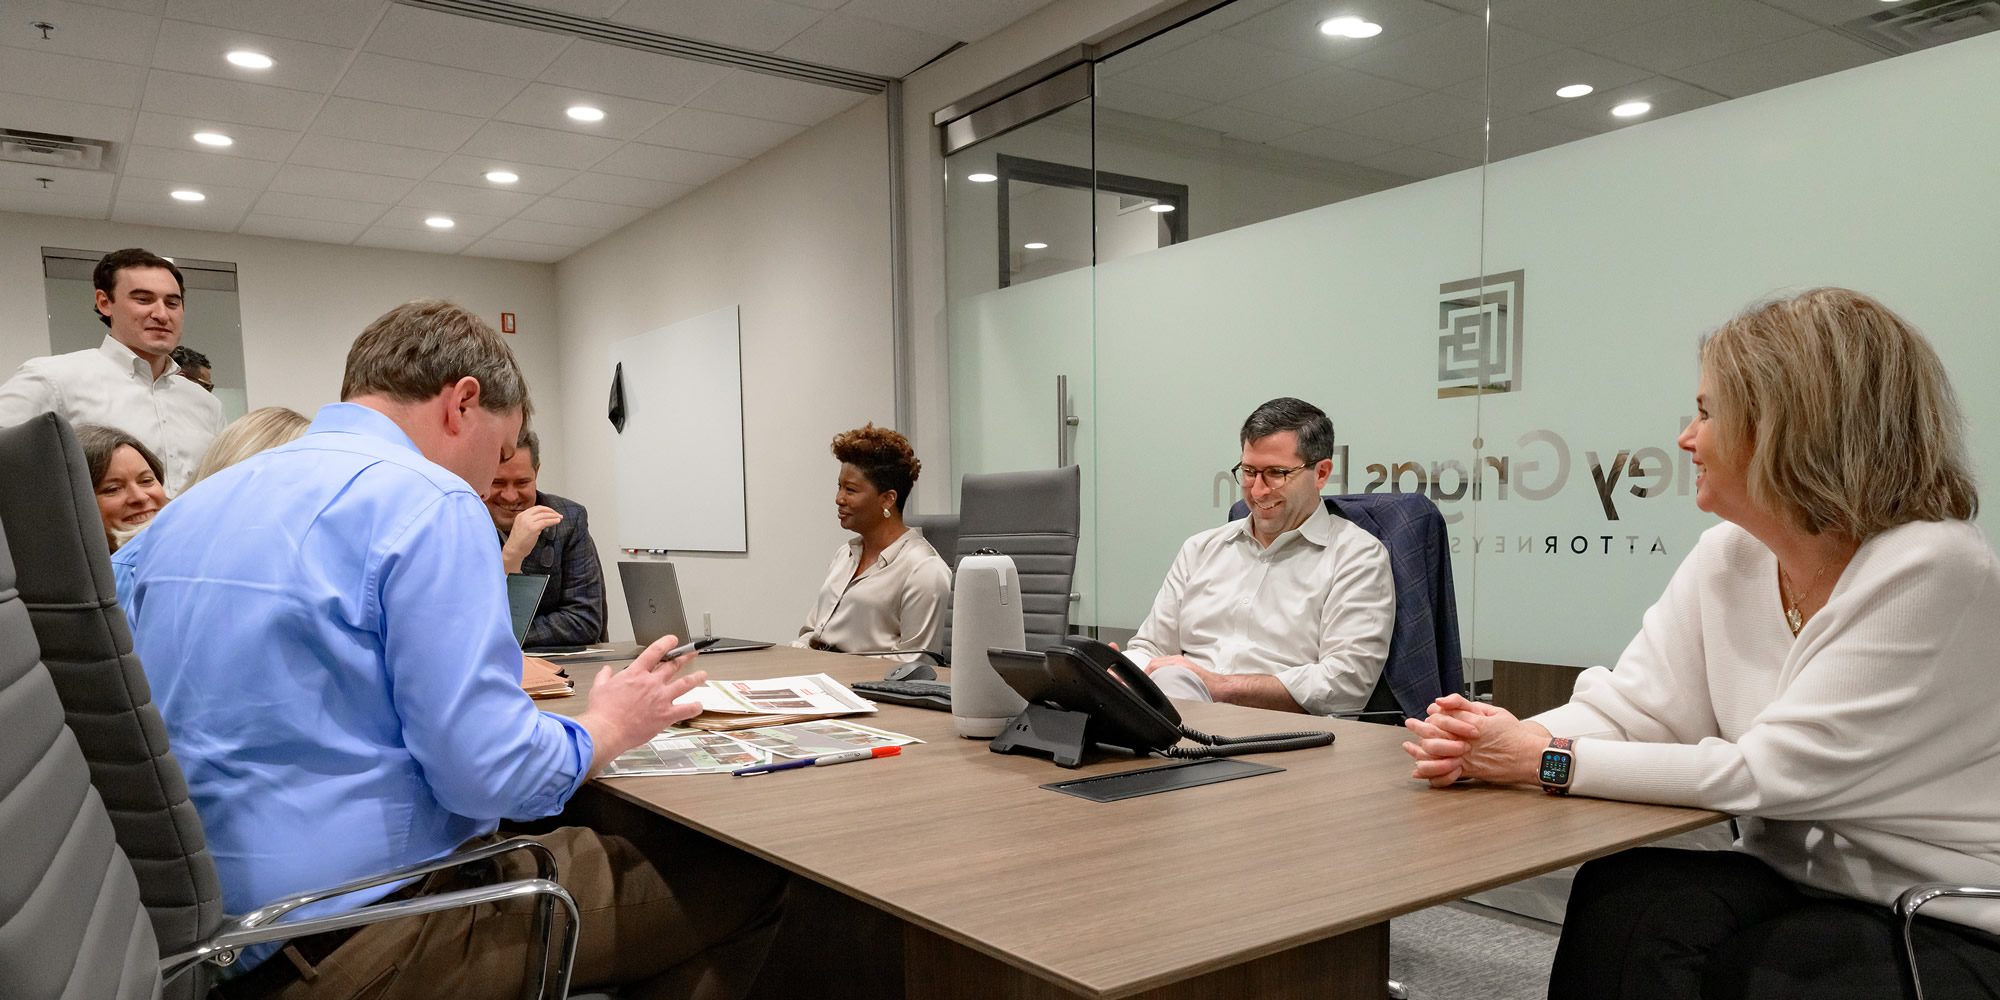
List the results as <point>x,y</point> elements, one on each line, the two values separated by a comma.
<point>898,603</point>
<point>114,387</point>
<point>1314,609</point>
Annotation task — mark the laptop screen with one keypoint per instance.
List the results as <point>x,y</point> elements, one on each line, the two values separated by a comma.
<point>524,594</point>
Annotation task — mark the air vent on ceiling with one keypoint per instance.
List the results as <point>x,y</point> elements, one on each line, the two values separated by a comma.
<point>45,150</point>
<point>1923,24</point>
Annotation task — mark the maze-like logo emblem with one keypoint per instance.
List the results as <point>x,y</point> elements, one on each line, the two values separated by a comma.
<point>1479,335</point>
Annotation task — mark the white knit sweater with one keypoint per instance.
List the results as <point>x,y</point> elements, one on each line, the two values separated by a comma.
<point>1867,749</point>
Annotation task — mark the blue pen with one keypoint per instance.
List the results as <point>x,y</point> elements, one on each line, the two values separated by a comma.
<point>822,760</point>
<point>742,772</point>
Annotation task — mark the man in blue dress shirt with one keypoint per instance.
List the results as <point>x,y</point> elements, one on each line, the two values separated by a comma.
<point>326,632</point>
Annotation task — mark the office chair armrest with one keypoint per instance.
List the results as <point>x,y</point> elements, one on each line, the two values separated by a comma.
<point>1914,898</point>
<point>223,947</point>
<point>269,913</point>
<point>1386,713</point>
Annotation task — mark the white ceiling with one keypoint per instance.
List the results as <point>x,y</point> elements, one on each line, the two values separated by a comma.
<point>1412,100</point>
<point>377,116</point>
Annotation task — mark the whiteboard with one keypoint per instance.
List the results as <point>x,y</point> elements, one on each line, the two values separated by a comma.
<point>680,457</point>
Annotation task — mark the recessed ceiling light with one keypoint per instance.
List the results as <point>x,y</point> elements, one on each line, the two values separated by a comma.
<point>1574,90</point>
<point>439,222</point>
<point>1631,109</point>
<point>213,139</point>
<point>982,178</point>
<point>184,194</point>
<point>502,176</point>
<point>585,113</point>
<point>1160,206</point>
<point>1349,27</point>
<point>248,59</point>
<point>1034,246</point>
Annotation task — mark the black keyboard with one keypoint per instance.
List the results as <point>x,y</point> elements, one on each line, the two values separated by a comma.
<point>922,694</point>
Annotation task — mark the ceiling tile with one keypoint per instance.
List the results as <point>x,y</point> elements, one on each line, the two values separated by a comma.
<point>1801,57</point>
<point>386,123</point>
<point>469,225</point>
<point>965,22</point>
<point>1531,85</point>
<point>1249,126</point>
<point>299,179</point>
<point>96,206</point>
<point>819,4</point>
<point>583,213</point>
<point>85,184</point>
<point>1119,95</point>
<point>547,147</point>
<point>1218,68</point>
<point>1449,53</point>
<point>775,98</point>
<point>147,197</point>
<point>1574,22</point>
<point>1593,113</point>
<point>550,233</point>
<point>1327,95</point>
<point>84,30</point>
<point>1294,27</point>
<point>306,206</point>
<point>1510,138</point>
<point>1333,144</point>
<point>173,131</point>
<point>471,171</point>
<point>1415,161</point>
<point>423,240</point>
<point>229,100</point>
<point>543,105</point>
<point>71,78</point>
<point>46,114</point>
<point>331,22</point>
<point>762,25</point>
<point>300,229</point>
<point>615,69</point>
<point>715,132</point>
<point>1829,12</point>
<point>1709,31</point>
<point>365,157</point>
<point>199,49</point>
<point>680,166</point>
<point>511,250</point>
<point>146,213</point>
<point>187,165</point>
<point>857,43</point>
<point>599,9</point>
<point>136,6</point>
<point>387,80</point>
<point>456,198</point>
<point>464,42</point>
<point>1418,119</point>
<point>622,190</point>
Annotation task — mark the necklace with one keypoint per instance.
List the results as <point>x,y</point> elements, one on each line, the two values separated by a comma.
<point>1794,618</point>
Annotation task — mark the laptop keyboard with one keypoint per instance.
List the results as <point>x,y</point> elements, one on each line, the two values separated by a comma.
<point>922,694</point>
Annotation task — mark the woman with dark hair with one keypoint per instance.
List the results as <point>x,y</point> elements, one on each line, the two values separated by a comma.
<point>886,588</point>
<point>128,479</point>
<point>1820,667</point>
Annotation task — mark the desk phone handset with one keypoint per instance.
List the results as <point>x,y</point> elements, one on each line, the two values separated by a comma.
<point>1083,692</point>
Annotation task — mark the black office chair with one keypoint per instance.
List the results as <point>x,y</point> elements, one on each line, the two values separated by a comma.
<point>51,524</point>
<point>1424,663</point>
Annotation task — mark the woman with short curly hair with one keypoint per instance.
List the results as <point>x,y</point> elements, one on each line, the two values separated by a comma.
<point>886,588</point>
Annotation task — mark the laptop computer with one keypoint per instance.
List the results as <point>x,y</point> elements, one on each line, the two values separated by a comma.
<point>524,595</point>
<point>653,596</point>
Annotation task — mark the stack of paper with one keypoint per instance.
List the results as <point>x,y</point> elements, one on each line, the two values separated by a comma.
<point>776,701</point>
<point>542,679</point>
<point>691,751</point>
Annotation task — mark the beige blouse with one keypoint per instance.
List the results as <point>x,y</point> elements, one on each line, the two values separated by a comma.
<point>897,604</point>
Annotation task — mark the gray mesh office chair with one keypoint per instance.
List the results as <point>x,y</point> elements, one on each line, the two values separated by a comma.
<point>941,530</point>
<point>51,524</point>
<point>1032,518</point>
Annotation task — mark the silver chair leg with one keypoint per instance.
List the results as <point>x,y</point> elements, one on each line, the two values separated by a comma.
<point>1397,992</point>
<point>1916,896</point>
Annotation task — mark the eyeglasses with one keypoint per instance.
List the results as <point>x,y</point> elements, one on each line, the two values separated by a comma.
<point>1272,477</point>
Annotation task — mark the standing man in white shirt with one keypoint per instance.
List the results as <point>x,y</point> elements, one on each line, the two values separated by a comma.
<point>131,380</point>
<point>1289,608</point>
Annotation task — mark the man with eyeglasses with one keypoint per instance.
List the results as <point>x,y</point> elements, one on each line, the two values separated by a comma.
<point>1289,608</point>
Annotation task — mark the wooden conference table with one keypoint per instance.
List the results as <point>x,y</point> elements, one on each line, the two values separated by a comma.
<point>1276,885</point>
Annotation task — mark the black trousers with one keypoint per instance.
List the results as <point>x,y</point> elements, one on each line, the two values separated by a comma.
<point>1661,924</point>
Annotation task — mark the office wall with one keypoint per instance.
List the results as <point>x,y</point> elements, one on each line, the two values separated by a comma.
<point>302,304</point>
<point>799,240</point>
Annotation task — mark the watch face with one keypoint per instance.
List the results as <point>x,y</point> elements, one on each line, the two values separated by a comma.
<point>1555,767</point>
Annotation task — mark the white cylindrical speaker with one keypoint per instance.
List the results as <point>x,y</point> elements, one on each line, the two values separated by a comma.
<point>985,612</point>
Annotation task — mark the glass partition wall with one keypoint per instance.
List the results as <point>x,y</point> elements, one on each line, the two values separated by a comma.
<point>1485,242</point>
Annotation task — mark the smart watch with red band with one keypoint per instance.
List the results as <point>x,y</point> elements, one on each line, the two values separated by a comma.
<point>1558,763</point>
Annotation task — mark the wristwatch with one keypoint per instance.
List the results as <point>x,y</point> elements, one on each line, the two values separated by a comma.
<point>1558,761</point>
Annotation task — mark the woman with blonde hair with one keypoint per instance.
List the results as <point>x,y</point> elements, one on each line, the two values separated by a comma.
<point>261,429</point>
<point>1821,666</point>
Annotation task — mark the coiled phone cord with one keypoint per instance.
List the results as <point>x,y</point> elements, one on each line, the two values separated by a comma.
<point>1236,746</point>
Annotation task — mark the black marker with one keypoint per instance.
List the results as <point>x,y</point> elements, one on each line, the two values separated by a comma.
<point>695,646</point>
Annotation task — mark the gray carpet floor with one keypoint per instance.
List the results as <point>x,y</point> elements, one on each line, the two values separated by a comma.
<point>1464,951</point>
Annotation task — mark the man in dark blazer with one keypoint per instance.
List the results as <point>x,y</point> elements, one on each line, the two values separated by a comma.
<point>546,535</point>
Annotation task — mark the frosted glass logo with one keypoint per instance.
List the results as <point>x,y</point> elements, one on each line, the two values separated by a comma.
<point>1479,335</point>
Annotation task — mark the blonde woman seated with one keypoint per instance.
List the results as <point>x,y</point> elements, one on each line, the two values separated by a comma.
<point>128,478</point>
<point>1821,666</point>
<point>887,587</point>
<point>261,429</point>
